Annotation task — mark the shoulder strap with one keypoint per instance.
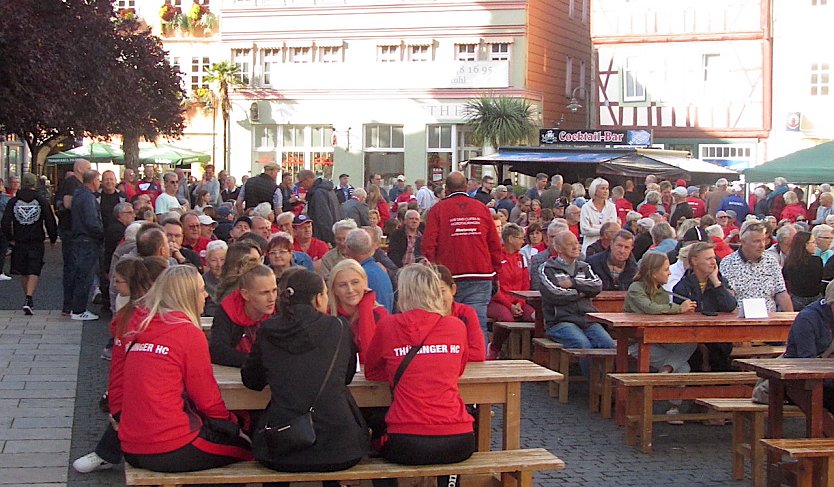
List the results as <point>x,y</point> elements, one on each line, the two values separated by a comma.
<point>332,363</point>
<point>404,364</point>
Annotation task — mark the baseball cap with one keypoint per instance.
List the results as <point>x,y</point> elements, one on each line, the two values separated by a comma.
<point>223,212</point>
<point>680,191</point>
<point>206,220</point>
<point>680,183</point>
<point>692,190</point>
<point>28,180</point>
<point>301,220</point>
<point>400,178</point>
<point>645,223</point>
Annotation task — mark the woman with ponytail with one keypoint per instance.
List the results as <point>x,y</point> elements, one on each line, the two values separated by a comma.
<point>351,298</point>
<point>241,313</point>
<point>176,420</point>
<point>132,279</point>
<point>292,355</point>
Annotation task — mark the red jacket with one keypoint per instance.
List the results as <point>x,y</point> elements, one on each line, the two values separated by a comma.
<point>623,206</point>
<point>168,373</point>
<point>512,276</point>
<point>647,209</point>
<point>722,248</point>
<point>460,234</point>
<point>384,212</point>
<point>474,335</point>
<point>792,211</point>
<point>315,250</point>
<point>426,401</point>
<point>364,326</point>
<point>699,208</point>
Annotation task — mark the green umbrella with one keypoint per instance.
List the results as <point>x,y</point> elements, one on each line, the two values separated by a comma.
<point>807,166</point>
<point>170,155</point>
<point>95,152</point>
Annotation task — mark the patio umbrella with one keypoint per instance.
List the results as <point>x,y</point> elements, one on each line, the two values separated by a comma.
<point>95,152</point>
<point>169,154</point>
<point>806,166</point>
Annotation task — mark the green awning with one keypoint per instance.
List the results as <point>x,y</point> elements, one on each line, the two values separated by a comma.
<point>808,166</point>
<point>95,152</point>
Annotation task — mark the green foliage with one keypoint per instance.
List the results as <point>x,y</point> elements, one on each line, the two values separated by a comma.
<point>500,121</point>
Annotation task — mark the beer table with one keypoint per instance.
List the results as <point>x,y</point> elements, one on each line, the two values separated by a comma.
<point>605,302</point>
<point>482,383</point>
<point>645,330</point>
<point>800,378</point>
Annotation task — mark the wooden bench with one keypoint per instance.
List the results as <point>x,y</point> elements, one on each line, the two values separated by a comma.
<point>518,341</point>
<point>642,389</point>
<point>515,466</point>
<point>602,363</point>
<point>757,351</point>
<point>205,325</point>
<point>748,430</point>
<point>815,456</point>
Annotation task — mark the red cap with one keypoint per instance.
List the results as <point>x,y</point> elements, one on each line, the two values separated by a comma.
<point>680,182</point>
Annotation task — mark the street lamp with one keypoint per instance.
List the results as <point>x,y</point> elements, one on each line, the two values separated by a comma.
<point>574,105</point>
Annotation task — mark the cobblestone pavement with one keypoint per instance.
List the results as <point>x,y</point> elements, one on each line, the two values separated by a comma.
<point>36,413</point>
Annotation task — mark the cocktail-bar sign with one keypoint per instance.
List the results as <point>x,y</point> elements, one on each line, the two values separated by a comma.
<point>595,137</point>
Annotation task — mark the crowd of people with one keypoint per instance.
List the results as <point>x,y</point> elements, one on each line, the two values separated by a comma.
<point>304,278</point>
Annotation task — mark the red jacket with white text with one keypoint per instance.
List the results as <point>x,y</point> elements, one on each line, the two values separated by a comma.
<point>168,373</point>
<point>460,234</point>
<point>426,401</point>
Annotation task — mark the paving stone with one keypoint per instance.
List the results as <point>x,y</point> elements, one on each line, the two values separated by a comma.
<point>31,460</point>
<point>20,476</point>
<point>13,434</point>
<point>37,446</point>
<point>45,422</point>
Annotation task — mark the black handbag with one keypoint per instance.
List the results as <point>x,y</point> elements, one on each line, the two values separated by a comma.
<point>299,433</point>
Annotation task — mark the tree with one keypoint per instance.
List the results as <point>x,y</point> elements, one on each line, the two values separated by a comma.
<point>226,75</point>
<point>70,68</point>
<point>501,120</point>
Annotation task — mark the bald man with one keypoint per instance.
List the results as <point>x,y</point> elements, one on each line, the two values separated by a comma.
<point>460,234</point>
<point>63,210</point>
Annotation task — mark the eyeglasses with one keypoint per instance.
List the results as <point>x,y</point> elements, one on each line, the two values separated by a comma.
<point>276,253</point>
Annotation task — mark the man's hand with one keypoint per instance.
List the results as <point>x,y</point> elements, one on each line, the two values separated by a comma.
<point>565,282</point>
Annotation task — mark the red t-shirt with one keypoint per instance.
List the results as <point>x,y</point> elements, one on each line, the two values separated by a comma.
<point>699,208</point>
<point>316,250</point>
<point>623,206</point>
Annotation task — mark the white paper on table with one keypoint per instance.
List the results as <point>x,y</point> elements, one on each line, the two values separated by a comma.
<point>753,308</point>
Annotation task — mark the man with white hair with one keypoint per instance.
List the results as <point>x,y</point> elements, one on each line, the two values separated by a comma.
<point>425,195</point>
<point>405,245</point>
<point>551,195</point>
<point>643,239</point>
<point>784,239</point>
<point>823,235</point>
<point>714,198</point>
<point>556,227</point>
<point>356,208</point>
<point>167,201</point>
<point>359,247</point>
<point>825,207</point>
<point>337,253</point>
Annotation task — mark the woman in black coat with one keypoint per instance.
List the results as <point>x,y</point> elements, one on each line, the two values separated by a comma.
<point>803,271</point>
<point>709,290</point>
<point>292,354</point>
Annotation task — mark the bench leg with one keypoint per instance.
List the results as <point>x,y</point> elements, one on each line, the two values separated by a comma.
<point>484,427</point>
<point>757,453</point>
<point>514,345</point>
<point>827,472</point>
<point>554,386</point>
<point>594,386</point>
<point>520,479</point>
<point>805,473</point>
<point>526,342</point>
<point>737,460</point>
<point>564,369</point>
<point>646,417</point>
<point>606,386</point>
<point>632,407</point>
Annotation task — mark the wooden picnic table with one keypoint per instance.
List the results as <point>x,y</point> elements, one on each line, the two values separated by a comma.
<point>646,330</point>
<point>483,383</point>
<point>605,302</point>
<point>801,379</point>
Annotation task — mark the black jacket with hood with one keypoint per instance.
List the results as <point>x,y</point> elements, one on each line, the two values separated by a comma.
<point>291,355</point>
<point>25,216</point>
<point>324,209</point>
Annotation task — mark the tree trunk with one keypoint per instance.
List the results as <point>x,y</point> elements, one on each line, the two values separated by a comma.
<point>225,141</point>
<point>130,147</point>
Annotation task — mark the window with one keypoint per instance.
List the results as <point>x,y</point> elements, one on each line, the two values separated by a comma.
<point>300,147</point>
<point>242,58</point>
<point>819,79</point>
<point>176,63</point>
<point>439,137</point>
<point>571,8</point>
<point>271,60</point>
<point>499,51</point>
<point>466,52</point>
<point>389,54</point>
<point>581,93</point>
<point>467,149</point>
<point>568,76</point>
<point>301,55</point>
<point>819,3</point>
<point>419,54</point>
<point>120,4</point>
<point>585,11</point>
<point>199,70</point>
<point>713,73</point>
<point>633,89</point>
<point>330,54</point>
<point>439,151</point>
<point>384,150</point>
<point>734,156</point>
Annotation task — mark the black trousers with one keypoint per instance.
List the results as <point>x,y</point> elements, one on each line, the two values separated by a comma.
<point>208,450</point>
<point>428,450</point>
<point>109,447</point>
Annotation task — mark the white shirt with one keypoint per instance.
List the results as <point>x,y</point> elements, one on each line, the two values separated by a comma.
<point>591,220</point>
<point>425,198</point>
<point>677,271</point>
<point>165,203</point>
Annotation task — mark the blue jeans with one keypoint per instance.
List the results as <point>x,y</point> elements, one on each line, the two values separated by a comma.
<point>87,253</point>
<point>571,336</point>
<point>476,294</point>
<point>69,268</point>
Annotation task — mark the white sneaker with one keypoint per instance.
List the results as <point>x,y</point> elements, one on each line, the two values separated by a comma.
<point>4,277</point>
<point>90,463</point>
<point>85,316</point>
<point>673,412</point>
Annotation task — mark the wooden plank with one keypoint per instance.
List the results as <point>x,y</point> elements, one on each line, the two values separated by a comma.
<point>790,368</point>
<point>802,447</point>
<point>491,462</point>
<point>685,379</point>
<point>637,320</point>
<point>744,406</point>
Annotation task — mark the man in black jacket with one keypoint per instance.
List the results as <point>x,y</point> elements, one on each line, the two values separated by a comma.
<point>615,265</point>
<point>409,236</point>
<point>23,225</point>
<point>322,205</point>
<point>88,240</point>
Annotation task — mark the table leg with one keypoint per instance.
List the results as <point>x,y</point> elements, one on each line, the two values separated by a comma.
<point>827,472</point>
<point>737,459</point>
<point>644,357</point>
<point>621,366</point>
<point>484,427</point>
<point>757,460</point>
<point>805,473</point>
<point>512,417</point>
<point>776,399</point>
<point>815,412</point>
<point>606,387</point>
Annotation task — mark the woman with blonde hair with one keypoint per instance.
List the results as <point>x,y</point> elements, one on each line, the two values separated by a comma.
<point>175,420</point>
<point>375,201</point>
<point>427,421</point>
<point>352,299</point>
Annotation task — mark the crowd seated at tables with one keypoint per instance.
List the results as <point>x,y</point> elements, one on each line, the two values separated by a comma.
<point>303,281</point>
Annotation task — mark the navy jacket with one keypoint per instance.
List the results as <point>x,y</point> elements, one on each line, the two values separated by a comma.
<point>599,264</point>
<point>811,332</point>
<point>713,299</point>
<point>86,216</point>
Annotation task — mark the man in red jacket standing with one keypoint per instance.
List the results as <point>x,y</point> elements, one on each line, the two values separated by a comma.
<point>460,234</point>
